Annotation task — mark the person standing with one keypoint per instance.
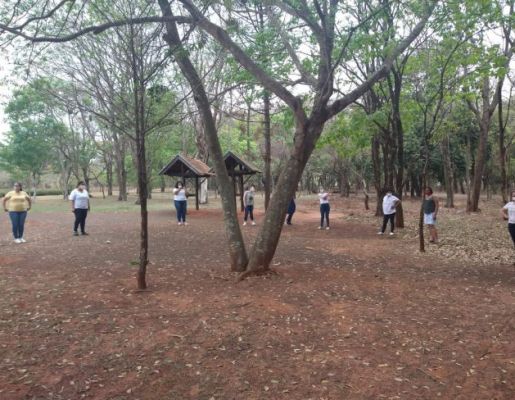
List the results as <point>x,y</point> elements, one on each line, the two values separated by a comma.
<point>79,198</point>
<point>248,203</point>
<point>323,196</point>
<point>180,199</point>
<point>390,203</point>
<point>508,213</point>
<point>17,203</point>
<point>430,208</point>
<point>291,210</point>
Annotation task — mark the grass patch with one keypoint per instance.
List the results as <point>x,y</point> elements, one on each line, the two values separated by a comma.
<point>98,204</point>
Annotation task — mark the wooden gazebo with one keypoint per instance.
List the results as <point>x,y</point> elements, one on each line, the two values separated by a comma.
<point>187,168</point>
<point>237,168</point>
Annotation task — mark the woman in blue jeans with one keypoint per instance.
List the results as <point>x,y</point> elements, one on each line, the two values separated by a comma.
<point>180,198</point>
<point>17,203</point>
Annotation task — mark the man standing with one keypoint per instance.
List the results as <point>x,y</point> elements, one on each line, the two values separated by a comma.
<point>390,203</point>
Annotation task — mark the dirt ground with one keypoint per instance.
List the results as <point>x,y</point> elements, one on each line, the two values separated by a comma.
<point>349,315</point>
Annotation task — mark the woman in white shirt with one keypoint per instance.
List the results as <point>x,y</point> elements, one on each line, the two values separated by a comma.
<point>323,196</point>
<point>180,199</point>
<point>79,198</point>
<point>508,213</point>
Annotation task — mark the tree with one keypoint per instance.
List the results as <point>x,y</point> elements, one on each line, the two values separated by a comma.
<point>484,105</point>
<point>35,129</point>
<point>321,22</point>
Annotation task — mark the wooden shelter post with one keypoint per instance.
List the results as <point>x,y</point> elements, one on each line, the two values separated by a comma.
<point>235,191</point>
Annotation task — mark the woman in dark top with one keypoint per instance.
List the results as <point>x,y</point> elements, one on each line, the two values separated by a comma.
<point>430,207</point>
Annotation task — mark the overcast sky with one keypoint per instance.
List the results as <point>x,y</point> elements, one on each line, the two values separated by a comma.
<point>6,84</point>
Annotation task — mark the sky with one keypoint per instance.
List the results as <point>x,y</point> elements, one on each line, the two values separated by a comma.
<point>6,85</point>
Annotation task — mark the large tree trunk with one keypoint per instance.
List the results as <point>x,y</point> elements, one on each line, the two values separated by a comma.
<point>502,150</point>
<point>484,119</point>
<point>376,167</point>
<point>398,134</point>
<point>267,239</point>
<point>447,172</point>
<point>237,251</point>
<point>479,169</point>
<point>267,156</point>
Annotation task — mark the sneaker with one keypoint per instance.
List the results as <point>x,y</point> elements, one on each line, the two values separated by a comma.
<point>17,241</point>
<point>327,228</point>
<point>179,223</point>
<point>75,233</point>
<point>22,240</point>
<point>244,223</point>
<point>320,227</point>
<point>84,233</point>
<point>380,233</point>
<point>253,223</point>
<point>391,233</point>
<point>185,223</point>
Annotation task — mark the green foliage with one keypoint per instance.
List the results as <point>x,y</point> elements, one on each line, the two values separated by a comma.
<point>33,125</point>
<point>349,134</point>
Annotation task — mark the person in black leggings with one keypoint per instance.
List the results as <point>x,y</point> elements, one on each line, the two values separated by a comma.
<point>390,203</point>
<point>79,198</point>
<point>325,208</point>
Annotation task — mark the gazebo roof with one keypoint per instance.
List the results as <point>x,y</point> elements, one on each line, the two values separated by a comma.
<point>186,167</point>
<point>237,166</point>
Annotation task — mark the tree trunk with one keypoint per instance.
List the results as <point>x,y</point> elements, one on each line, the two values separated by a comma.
<point>479,169</point>
<point>204,192</point>
<point>267,239</point>
<point>237,251</point>
<point>480,161</point>
<point>468,169</point>
<point>141,164</point>
<point>502,150</point>
<point>121,170</point>
<point>398,134</point>
<point>267,157</point>
<point>109,177</point>
<point>376,166</point>
<point>447,172</point>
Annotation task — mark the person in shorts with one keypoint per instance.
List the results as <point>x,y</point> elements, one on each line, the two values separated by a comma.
<point>508,213</point>
<point>430,209</point>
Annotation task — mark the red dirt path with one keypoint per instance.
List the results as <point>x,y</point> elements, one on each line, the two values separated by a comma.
<point>349,315</point>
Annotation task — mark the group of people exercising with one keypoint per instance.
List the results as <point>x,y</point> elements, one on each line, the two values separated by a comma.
<point>17,203</point>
